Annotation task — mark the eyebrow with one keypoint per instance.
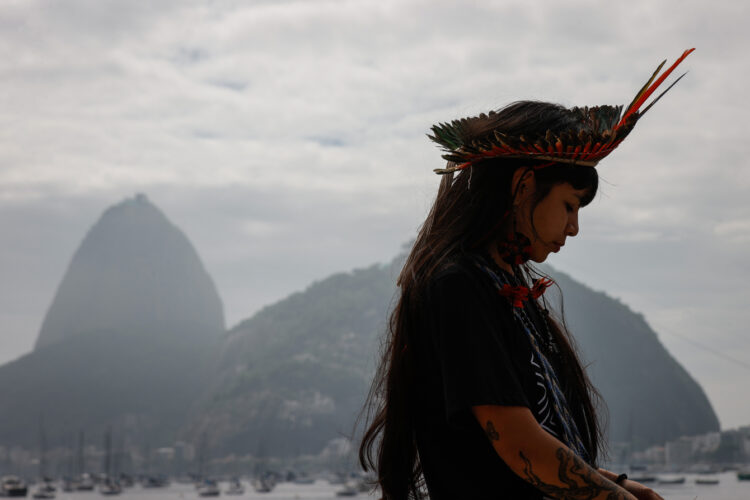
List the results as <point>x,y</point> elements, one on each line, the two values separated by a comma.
<point>581,198</point>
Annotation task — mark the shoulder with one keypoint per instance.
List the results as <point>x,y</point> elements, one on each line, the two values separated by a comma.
<point>461,283</point>
<point>455,274</point>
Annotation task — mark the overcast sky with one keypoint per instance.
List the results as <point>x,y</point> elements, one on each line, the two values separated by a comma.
<point>287,140</point>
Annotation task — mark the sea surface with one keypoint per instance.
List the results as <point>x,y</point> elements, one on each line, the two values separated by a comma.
<point>321,490</point>
<point>729,488</point>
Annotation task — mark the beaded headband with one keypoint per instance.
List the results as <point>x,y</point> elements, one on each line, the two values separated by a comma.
<point>598,131</point>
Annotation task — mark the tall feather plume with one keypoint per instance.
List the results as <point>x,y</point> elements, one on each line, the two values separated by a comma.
<point>644,94</point>
<point>598,131</point>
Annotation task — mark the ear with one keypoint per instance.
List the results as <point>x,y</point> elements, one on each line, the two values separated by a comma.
<point>524,182</point>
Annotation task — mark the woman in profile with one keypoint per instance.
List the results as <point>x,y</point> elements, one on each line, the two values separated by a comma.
<point>480,393</point>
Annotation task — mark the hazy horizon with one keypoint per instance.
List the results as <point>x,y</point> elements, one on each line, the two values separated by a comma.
<point>287,140</point>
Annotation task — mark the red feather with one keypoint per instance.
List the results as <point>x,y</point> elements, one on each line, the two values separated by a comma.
<point>637,104</point>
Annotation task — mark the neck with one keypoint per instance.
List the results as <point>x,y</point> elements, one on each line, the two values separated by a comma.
<point>492,250</point>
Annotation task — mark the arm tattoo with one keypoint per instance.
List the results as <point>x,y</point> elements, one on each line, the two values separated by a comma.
<point>581,481</point>
<point>489,429</point>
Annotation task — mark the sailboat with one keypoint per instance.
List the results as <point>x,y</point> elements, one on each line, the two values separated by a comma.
<point>205,486</point>
<point>110,485</point>
<point>235,487</point>
<point>45,489</point>
<point>83,481</point>
<point>264,481</point>
<point>209,488</point>
<point>13,486</point>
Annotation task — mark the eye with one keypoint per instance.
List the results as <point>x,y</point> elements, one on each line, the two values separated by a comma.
<point>568,207</point>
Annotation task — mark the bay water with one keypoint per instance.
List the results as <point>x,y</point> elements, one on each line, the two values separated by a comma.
<point>729,488</point>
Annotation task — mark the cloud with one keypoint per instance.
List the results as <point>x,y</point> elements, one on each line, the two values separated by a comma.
<point>287,138</point>
<point>734,230</point>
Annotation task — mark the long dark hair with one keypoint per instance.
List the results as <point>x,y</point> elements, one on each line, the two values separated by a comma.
<point>468,214</point>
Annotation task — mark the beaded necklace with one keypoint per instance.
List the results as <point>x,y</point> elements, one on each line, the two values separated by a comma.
<point>502,280</point>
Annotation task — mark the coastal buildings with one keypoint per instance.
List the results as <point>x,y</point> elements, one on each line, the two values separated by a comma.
<point>725,447</point>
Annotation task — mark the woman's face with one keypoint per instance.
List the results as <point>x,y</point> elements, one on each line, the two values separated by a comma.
<point>554,218</point>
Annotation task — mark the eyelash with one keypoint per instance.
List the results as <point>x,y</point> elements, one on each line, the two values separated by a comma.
<point>568,207</point>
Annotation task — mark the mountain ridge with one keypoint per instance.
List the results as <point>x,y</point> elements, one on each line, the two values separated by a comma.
<point>293,376</point>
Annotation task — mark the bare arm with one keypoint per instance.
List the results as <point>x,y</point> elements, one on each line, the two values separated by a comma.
<point>540,459</point>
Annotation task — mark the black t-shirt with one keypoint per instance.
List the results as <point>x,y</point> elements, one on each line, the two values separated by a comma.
<point>469,351</point>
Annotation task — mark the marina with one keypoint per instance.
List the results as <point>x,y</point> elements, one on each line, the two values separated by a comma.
<point>722,486</point>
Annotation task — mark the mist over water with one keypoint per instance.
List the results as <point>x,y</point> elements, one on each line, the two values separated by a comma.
<point>729,488</point>
<point>321,490</point>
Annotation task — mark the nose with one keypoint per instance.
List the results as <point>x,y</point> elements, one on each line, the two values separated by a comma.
<point>572,227</point>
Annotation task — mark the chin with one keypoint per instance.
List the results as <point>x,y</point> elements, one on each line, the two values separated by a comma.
<point>539,259</point>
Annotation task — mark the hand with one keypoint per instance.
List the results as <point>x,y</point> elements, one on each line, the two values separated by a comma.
<point>640,491</point>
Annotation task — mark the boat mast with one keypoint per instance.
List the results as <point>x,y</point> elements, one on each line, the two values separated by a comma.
<point>42,448</point>
<point>108,452</point>
<point>80,453</point>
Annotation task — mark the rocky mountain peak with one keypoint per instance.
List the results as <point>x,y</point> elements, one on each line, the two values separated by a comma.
<point>134,271</point>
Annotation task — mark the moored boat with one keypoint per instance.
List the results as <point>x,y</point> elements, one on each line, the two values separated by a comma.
<point>263,484</point>
<point>45,489</point>
<point>84,482</point>
<point>13,486</point>
<point>235,487</point>
<point>304,480</point>
<point>348,490</point>
<point>707,480</point>
<point>110,486</point>
<point>209,488</point>
<point>672,480</point>
<point>644,479</point>
<point>155,481</point>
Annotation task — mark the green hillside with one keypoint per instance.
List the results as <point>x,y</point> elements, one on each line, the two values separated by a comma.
<point>295,375</point>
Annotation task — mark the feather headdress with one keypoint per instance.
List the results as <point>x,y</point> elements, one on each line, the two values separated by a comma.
<point>598,131</point>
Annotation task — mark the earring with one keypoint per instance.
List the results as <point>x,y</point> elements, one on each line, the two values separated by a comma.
<point>516,249</point>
